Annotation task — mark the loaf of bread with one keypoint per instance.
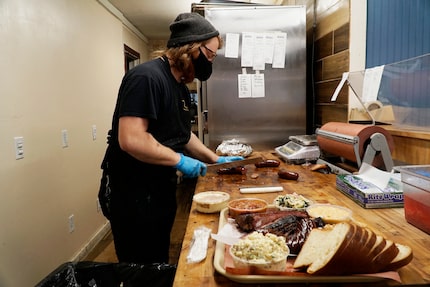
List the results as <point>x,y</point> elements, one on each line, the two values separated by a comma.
<point>346,248</point>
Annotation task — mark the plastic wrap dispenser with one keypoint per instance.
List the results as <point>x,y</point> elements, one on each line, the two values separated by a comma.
<point>357,143</point>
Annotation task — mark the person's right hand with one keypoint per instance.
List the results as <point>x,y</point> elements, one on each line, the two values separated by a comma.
<point>191,167</point>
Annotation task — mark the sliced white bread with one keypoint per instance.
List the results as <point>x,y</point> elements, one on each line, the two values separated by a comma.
<point>360,263</point>
<point>313,244</point>
<point>362,244</point>
<point>319,248</point>
<point>354,259</point>
<point>380,261</point>
<point>378,246</point>
<point>342,259</point>
<point>371,241</point>
<point>403,258</point>
<point>350,249</point>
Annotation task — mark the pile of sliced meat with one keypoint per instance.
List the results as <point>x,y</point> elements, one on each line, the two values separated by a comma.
<point>294,225</point>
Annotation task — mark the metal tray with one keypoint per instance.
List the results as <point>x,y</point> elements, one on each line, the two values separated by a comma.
<point>219,267</point>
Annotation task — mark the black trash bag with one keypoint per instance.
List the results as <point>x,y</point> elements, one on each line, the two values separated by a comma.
<point>105,193</point>
<point>80,274</point>
<point>151,275</point>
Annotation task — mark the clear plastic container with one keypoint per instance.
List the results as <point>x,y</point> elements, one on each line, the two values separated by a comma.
<point>416,195</point>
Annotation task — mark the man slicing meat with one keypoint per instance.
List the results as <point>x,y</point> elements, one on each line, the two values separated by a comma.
<point>151,139</point>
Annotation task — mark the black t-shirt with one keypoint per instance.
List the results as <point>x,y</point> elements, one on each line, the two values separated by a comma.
<point>150,91</point>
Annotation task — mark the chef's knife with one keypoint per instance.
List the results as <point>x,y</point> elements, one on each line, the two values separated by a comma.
<point>216,166</point>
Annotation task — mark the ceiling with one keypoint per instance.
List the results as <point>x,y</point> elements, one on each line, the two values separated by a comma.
<point>152,18</point>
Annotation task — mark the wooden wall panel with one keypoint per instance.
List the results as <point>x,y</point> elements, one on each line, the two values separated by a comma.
<point>341,39</point>
<point>324,46</point>
<point>334,66</point>
<point>411,147</point>
<point>331,14</point>
<point>411,150</point>
<point>331,60</point>
<point>318,72</point>
<point>324,91</point>
<point>332,113</point>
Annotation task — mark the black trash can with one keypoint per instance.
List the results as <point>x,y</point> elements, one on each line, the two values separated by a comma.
<point>151,275</point>
<point>76,274</point>
<point>97,274</point>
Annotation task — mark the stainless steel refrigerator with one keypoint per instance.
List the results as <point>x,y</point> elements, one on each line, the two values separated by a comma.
<point>264,119</point>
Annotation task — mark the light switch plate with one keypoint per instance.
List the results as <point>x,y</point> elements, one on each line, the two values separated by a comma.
<point>65,138</point>
<point>19,147</point>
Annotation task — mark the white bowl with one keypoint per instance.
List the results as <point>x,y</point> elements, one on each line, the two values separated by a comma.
<point>266,252</point>
<point>211,201</point>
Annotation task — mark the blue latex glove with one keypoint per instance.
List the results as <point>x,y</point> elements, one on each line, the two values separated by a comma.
<point>223,159</point>
<point>191,167</point>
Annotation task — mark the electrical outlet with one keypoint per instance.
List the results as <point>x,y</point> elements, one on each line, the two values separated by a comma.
<point>19,147</point>
<point>71,223</point>
<point>94,132</point>
<point>65,138</point>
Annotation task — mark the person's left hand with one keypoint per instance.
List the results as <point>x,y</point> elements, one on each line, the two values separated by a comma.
<point>223,159</point>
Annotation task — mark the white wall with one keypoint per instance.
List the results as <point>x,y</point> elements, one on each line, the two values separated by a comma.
<point>357,44</point>
<point>61,63</point>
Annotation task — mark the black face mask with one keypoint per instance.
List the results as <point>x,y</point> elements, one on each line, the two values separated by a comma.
<point>202,67</point>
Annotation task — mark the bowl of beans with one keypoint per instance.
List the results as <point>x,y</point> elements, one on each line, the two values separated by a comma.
<point>246,205</point>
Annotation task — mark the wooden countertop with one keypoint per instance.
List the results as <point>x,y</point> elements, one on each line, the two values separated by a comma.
<point>321,188</point>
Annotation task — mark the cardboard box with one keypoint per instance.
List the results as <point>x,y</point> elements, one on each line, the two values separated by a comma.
<point>369,195</point>
<point>416,187</point>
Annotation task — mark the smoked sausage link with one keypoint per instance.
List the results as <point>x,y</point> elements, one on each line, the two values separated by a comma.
<point>285,174</point>
<point>268,163</point>
<point>232,170</point>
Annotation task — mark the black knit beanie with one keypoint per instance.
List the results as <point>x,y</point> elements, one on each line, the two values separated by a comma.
<point>190,28</point>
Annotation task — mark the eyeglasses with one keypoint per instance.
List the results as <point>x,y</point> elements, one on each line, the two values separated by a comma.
<point>212,53</point>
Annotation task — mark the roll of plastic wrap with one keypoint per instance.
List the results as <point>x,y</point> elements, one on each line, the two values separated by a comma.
<point>373,105</point>
<point>346,150</point>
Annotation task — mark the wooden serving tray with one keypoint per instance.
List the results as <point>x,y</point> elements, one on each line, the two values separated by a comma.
<point>284,277</point>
